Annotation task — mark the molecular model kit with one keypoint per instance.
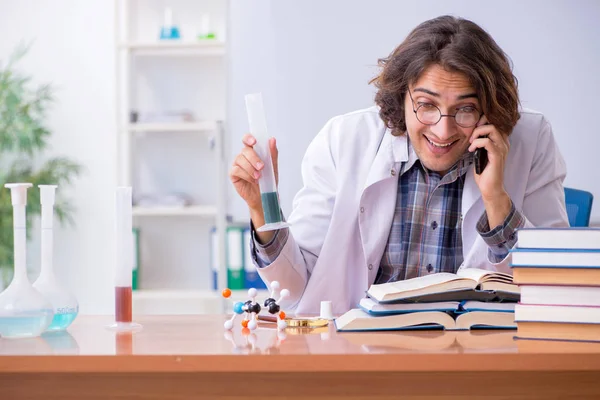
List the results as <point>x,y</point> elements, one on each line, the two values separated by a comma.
<point>251,308</point>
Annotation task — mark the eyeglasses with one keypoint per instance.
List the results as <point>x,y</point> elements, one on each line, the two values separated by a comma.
<point>429,114</point>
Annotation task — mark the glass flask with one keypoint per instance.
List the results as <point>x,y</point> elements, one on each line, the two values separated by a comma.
<point>63,302</point>
<point>24,312</point>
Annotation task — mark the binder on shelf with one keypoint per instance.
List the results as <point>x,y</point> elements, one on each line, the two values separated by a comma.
<point>214,257</point>
<point>136,259</point>
<point>235,257</point>
<point>251,277</point>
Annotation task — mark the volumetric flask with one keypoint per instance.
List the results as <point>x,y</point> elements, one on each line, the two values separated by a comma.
<point>24,312</point>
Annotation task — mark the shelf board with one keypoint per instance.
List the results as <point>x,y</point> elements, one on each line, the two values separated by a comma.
<point>188,294</point>
<point>204,126</point>
<point>199,211</point>
<point>176,48</point>
<point>187,301</point>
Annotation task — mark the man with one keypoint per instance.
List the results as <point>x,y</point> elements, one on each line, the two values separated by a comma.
<point>391,192</point>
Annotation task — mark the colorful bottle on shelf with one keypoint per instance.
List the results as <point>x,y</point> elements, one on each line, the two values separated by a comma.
<point>169,31</point>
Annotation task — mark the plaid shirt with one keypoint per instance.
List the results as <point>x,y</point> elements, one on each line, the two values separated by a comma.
<point>425,236</point>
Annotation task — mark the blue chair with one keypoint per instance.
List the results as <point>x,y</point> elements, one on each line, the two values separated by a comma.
<point>579,206</point>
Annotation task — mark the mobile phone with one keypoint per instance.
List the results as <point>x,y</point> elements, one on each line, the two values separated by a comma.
<point>480,159</point>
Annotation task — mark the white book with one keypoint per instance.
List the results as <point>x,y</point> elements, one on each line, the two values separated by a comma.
<point>561,295</point>
<point>563,314</point>
<point>555,257</point>
<point>559,238</point>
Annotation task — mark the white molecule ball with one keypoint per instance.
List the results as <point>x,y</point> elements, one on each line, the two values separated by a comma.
<point>252,292</point>
<point>284,293</point>
<point>228,325</point>
<point>275,285</point>
<point>252,324</point>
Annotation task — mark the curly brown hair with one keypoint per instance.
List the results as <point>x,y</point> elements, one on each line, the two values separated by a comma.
<point>457,45</point>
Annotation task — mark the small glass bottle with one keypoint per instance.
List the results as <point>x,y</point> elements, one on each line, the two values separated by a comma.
<point>24,312</point>
<point>64,303</point>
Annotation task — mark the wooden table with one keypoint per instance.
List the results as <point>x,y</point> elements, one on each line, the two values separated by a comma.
<point>181,357</point>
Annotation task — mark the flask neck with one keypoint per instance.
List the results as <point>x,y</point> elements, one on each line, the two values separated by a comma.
<point>20,240</point>
<point>47,251</point>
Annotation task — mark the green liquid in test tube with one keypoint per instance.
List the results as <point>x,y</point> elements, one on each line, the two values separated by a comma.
<point>266,182</point>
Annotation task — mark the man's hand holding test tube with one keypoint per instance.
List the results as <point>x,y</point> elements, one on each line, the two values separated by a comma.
<point>254,172</point>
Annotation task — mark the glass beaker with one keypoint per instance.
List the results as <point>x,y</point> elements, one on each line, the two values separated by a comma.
<point>64,303</point>
<point>24,312</point>
<point>267,182</point>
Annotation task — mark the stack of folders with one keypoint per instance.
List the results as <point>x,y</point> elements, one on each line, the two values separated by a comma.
<point>470,299</point>
<point>241,271</point>
<point>558,271</point>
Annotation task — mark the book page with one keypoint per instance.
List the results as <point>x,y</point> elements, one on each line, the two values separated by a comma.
<point>482,275</point>
<point>418,283</point>
<point>359,320</point>
<point>486,319</point>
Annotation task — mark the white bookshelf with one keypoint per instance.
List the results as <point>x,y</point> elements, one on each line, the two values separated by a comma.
<point>187,211</point>
<point>194,127</point>
<point>206,48</point>
<point>144,71</point>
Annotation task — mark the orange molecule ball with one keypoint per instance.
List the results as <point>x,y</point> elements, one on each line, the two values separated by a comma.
<point>226,293</point>
<point>281,315</point>
<point>245,323</point>
<point>246,331</point>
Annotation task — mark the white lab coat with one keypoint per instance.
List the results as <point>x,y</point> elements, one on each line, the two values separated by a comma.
<point>342,216</point>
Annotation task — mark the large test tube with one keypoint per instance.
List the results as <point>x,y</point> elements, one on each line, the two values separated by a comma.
<point>123,261</point>
<point>266,182</point>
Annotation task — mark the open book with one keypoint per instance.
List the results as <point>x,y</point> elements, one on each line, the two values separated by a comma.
<point>433,341</point>
<point>466,284</point>
<point>360,320</point>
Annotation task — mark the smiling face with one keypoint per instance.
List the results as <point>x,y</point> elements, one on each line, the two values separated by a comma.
<point>441,145</point>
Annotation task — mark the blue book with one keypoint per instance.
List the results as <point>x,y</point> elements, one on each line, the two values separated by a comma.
<point>372,307</point>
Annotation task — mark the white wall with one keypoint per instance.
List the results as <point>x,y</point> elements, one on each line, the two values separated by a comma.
<point>313,59</point>
<point>73,48</point>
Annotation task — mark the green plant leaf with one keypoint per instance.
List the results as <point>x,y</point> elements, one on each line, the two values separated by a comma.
<point>23,139</point>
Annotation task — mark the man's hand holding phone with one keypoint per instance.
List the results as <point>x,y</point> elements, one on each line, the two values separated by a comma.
<point>490,180</point>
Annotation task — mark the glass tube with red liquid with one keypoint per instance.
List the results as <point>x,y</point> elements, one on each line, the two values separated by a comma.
<point>124,262</point>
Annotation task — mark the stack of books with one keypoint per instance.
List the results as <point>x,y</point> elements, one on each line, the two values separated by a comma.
<point>472,298</point>
<point>558,272</point>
